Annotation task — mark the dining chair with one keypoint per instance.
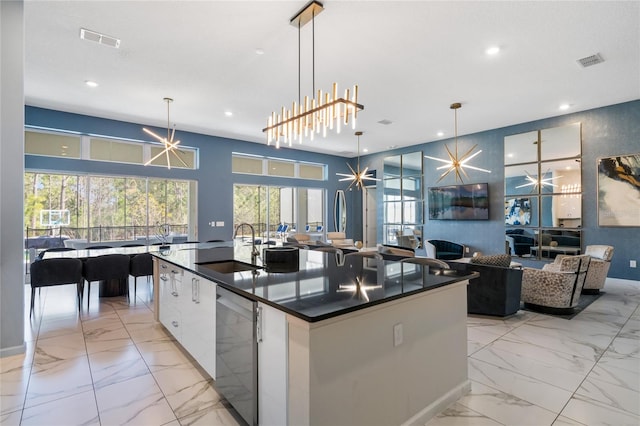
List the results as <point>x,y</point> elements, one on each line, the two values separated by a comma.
<point>60,271</point>
<point>141,265</point>
<point>105,268</point>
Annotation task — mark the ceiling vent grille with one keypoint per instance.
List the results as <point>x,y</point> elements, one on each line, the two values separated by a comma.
<point>385,122</point>
<point>99,38</point>
<point>591,60</point>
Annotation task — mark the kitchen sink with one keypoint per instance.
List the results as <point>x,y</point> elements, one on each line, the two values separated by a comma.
<point>229,266</point>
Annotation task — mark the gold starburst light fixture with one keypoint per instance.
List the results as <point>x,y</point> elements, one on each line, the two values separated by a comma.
<point>357,176</point>
<point>170,146</point>
<point>456,162</point>
<point>315,115</point>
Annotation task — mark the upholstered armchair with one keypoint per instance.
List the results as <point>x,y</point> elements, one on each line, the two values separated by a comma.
<point>598,268</point>
<point>447,250</point>
<point>556,287</point>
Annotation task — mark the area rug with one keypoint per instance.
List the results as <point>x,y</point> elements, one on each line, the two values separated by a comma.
<point>585,300</point>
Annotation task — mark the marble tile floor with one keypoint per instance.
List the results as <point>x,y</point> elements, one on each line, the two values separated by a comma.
<point>112,365</point>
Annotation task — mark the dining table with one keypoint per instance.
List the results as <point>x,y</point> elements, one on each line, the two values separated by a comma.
<point>113,288</point>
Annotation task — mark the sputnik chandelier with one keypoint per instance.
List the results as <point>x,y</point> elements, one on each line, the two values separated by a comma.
<point>456,162</point>
<point>533,182</point>
<point>357,176</point>
<point>315,115</point>
<point>170,146</point>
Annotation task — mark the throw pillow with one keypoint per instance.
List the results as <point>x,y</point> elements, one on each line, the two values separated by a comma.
<point>503,260</point>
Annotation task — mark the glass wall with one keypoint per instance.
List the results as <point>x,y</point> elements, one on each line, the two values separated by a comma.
<point>101,208</point>
<point>269,208</point>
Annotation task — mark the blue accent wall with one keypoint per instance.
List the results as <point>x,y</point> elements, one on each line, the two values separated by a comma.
<point>215,180</point>
<point>606,131</point>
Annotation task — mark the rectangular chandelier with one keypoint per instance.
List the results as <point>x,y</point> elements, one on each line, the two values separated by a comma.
<point>313,116</point>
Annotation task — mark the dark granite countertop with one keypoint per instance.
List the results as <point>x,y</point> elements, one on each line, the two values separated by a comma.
<point>320,286</point>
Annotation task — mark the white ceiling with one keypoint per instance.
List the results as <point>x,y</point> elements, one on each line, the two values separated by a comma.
<point>411,60</point>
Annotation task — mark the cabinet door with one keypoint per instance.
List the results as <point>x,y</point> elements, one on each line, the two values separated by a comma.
<point>170,288</point>
<point>198,312</point>
<point>272,366</point>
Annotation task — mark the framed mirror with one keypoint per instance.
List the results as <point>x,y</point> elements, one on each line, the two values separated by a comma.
<point>543,192</point>
<point>403,200</point>
<point>521,148</point>
<point>340,211</point>
<point>560,142</point>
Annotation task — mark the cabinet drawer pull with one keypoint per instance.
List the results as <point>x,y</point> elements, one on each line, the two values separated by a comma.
<point>163,278</point>
<point>163,266</point>
<point>197,299</point>
<point>174,323</point>
<point>174,293</point>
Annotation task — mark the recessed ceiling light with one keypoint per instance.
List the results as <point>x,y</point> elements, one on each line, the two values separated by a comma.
<point>510,155</point>
<point>564,107</point>
<point>91,83</point>
<point>493,50</point>
<point>440,134</point>
<point>365,149</point>
<point>259,51</point>
<point>228,113</point>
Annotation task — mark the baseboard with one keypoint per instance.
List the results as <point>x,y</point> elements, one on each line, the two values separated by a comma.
<point>14,350</point>
<point>439,405</point>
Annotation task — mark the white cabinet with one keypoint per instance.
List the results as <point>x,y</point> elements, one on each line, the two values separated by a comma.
<point>170,288</point>
<point>198,311</point>
<point>272,366</point>
<point>187,308</point>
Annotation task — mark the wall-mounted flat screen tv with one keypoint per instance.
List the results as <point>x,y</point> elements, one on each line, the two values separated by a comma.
<point>459,202</point>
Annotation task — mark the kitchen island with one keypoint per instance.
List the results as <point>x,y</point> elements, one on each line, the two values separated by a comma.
<point>341,340</point>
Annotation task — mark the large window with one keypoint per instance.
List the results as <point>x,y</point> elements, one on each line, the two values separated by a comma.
<point>268,207</point>
<point>99,208</point>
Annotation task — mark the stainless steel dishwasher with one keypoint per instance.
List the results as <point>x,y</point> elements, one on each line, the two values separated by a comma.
<point>237,353</point>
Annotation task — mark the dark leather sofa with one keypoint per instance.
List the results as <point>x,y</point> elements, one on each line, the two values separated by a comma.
<point>447,250</point>
<point>495,292</point>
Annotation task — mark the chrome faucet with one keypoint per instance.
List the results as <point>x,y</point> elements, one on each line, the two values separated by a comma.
<point>254,251</point>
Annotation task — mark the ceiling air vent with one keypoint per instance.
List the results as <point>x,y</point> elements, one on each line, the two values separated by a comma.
<point>591,60</point>
<point>385,122</point>
<point>86,34</point>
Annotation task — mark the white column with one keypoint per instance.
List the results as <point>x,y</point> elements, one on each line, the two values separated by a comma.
<point>11,176</point>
